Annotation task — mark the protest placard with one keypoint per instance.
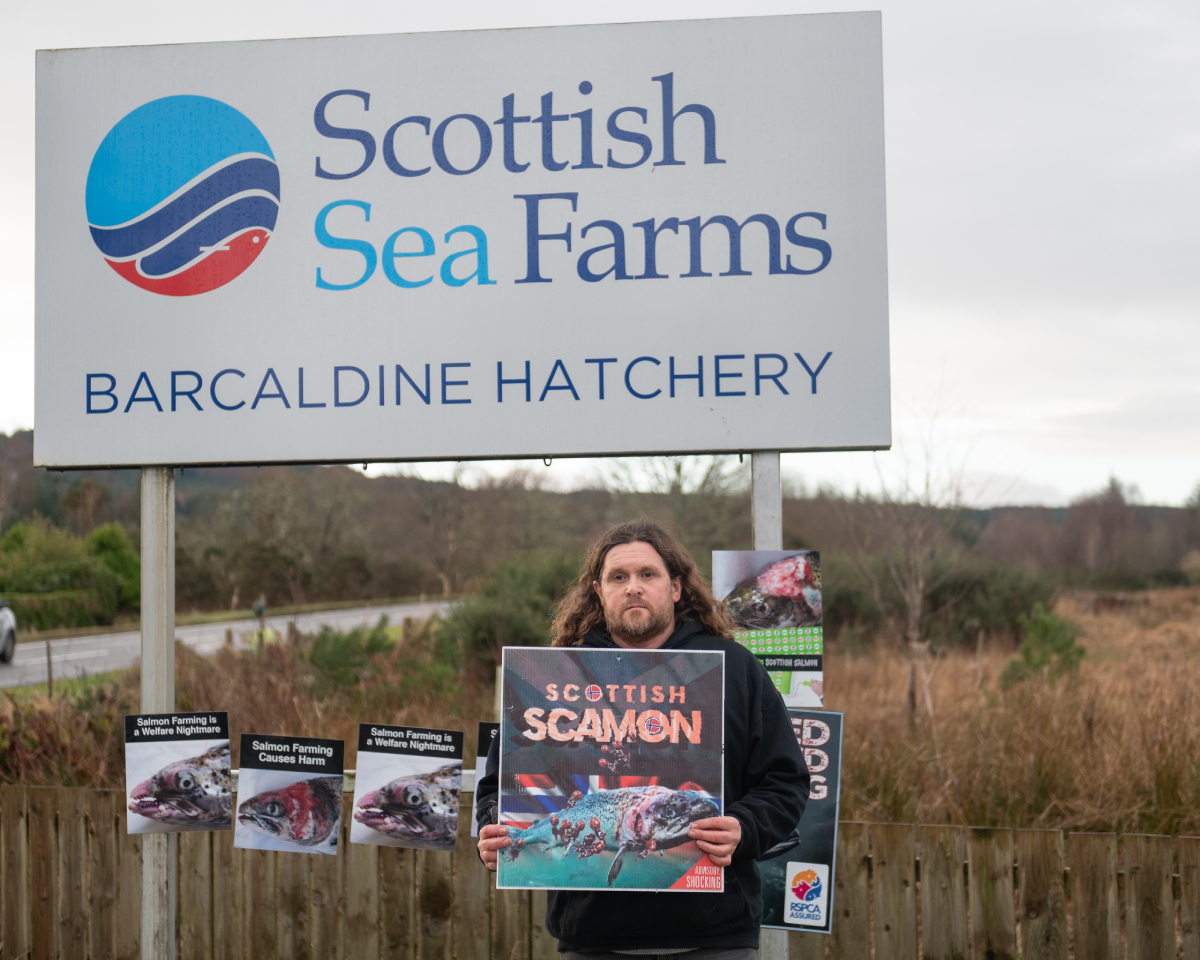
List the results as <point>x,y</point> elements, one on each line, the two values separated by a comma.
<point>774,596</point>
<point>289,794</point>
<point>407,787</point>
<point>797,883</point>
<point>607,757</point>
<point>177,776</point>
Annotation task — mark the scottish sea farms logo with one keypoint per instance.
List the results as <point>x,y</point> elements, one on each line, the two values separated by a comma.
<point>806,897</point>
<point>182,195</point>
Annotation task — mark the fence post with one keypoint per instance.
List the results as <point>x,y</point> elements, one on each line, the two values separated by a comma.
<point>1043,901</point>
<point>1094,895</point>
<point>993,916</point>
<point>158,693</point>
<point>943,898</point>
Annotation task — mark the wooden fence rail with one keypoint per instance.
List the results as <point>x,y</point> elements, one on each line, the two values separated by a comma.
<point>70,887</point>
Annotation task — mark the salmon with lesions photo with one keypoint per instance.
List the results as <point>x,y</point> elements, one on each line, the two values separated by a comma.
<point>197,791</point>
<point>420,809</point>
<point>306,813</point>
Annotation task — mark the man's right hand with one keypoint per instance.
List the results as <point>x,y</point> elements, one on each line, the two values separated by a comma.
<point>492,839</point>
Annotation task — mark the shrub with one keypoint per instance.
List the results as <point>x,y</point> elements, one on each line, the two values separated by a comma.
<point>55,579</point>
<point>1049,650</point>
<point>110,545</point>
<point>344,659</point>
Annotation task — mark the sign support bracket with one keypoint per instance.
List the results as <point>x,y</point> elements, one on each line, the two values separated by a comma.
<point>158,693</point>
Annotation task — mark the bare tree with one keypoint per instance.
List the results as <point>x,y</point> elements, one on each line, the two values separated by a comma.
<point>905,546</point>
<point>85,499</point>
<point>446,507</point>
<point>705,497</point>
<point>7,474</point>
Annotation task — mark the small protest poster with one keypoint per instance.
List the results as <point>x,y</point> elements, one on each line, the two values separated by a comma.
<point>607,758</point>
<point>407,786</point>
<point>177,777</point>
<point>774,596</point>
<point>289,794</point>
<point>487,733</point>
<point>797,883</point>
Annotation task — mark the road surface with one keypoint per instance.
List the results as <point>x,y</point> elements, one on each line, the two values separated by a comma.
<point>116,651</point>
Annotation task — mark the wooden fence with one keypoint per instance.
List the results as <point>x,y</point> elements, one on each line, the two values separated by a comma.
<point>70,887</point>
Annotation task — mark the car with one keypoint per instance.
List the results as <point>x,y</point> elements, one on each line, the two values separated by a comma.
<point>8,632</point>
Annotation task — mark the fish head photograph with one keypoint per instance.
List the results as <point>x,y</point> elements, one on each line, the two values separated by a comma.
<point>283,812</point>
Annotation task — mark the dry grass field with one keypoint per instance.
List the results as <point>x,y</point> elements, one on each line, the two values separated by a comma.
<point>1115,748</point>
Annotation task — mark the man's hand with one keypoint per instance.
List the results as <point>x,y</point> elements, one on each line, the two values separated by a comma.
<point>493,838</point>
<point>716,836</point>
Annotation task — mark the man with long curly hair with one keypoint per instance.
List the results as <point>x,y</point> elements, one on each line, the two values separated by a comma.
<point>639,589</point>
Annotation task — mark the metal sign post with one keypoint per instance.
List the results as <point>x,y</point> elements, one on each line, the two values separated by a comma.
<point>766,519</point>
<point>158,693</point>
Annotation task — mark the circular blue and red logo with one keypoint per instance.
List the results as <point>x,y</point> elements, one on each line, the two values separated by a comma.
<point>182,195</point>
<point>653,726</point>
<point>593,692</point>
<point>806,885</point>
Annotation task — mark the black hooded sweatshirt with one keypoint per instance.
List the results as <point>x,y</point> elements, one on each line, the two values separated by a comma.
<point>766,787</point>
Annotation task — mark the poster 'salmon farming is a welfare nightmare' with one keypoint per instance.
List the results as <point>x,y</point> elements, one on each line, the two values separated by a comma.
<point>177,776</point>
<point>407,787</point>
<point>607,758</point>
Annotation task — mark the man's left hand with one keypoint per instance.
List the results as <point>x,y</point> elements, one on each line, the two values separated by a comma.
<point>718,837</point>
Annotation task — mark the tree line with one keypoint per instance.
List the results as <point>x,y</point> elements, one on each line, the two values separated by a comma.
<point>921,569</point>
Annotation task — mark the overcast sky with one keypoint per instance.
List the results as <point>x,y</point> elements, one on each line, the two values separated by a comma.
<point>1043,174</point>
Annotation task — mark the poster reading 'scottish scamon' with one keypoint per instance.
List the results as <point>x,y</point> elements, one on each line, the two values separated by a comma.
<point>774,597</point>
<point>289,794</point>
<point>177,777</point>
<point>607,758</point>
<point>407,787</point>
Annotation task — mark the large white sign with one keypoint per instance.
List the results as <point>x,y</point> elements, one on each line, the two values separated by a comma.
<point>644,238</point>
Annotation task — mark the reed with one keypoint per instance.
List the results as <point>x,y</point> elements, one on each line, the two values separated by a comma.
<point>1116,747</point>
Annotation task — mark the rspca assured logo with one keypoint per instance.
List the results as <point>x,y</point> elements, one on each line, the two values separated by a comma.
<point>182,195</point>
<point>806,899</point>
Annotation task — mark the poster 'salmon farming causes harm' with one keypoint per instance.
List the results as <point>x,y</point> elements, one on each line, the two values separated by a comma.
<point>607,758</point>
<point>774,596</point>
<point>407,787</point>
<point>289,794</point>
<point>177,775</point>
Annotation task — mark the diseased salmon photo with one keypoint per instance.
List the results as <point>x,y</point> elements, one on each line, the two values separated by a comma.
<point>196,791</point>
<point>637,821</point>
<point>422,810</point>
<point>305,813</point>
<point>408,787</point>
<point>785,594</point>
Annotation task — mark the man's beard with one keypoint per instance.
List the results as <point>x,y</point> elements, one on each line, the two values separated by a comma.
<point>644,627</point>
